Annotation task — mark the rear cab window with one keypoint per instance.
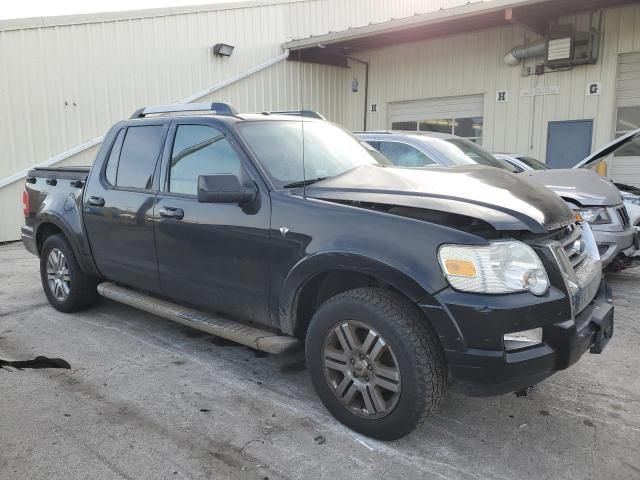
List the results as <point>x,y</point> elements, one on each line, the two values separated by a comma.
<point>134,156</point>
<point>111,170</point>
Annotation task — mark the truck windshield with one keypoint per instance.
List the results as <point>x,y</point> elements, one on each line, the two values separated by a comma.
<point>328,150</point>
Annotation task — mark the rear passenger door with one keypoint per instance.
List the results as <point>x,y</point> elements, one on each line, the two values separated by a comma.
<point>211,255</point>
<point>119,203</point>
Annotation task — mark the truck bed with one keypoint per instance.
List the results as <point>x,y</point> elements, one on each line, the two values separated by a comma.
<point>64,173</point>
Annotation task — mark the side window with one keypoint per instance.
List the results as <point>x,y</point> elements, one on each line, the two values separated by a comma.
<point>139,155</point>
<point>404,155</point>
<point>199,150</point>
<point>111,170</point>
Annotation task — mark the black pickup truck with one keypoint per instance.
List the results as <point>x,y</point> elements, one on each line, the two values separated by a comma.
<point>275,231</point>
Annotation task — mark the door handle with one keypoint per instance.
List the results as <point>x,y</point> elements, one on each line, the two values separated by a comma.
<point>96,201</point>
<point>171,212</point>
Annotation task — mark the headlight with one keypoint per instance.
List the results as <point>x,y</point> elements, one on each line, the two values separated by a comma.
<point>503,266</point>
<point>596,216</point>
<point>632,199</point>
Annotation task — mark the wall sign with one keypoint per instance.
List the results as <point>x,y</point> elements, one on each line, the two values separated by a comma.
<point>537,91</point>
<point>374,107</point>
<point>593,88</point>
<point>502,96</point>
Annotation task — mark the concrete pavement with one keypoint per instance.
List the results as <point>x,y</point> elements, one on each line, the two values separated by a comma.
<point>149,399</point>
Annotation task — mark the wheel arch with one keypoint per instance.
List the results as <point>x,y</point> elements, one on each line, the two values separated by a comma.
<point>319,277</point>
<point>51,224</point>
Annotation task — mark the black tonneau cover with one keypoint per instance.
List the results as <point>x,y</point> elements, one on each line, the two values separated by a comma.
<point>66,173</point>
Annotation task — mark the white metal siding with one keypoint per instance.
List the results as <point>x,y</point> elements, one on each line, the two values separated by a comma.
<point>628,91</point>
<point>627,169</point>
<point>64,84</point>
<point>433,109</point>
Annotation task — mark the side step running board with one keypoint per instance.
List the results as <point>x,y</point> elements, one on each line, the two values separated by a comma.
<point>221,327</point>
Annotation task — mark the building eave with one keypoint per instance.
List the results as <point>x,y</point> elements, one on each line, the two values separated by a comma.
<point>533,14</point>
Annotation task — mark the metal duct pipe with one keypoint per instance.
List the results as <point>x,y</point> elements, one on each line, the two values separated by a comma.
<point>534,49</point>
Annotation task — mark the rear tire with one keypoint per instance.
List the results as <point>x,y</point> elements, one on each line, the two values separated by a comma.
<point>375,362</point>
<point>66,286</point>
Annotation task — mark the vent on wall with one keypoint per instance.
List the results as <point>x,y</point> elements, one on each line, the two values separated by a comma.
<point>559,49</point>
<point>566,48</point>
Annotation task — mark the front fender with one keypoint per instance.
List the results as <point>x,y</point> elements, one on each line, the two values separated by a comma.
<point>399,277</point>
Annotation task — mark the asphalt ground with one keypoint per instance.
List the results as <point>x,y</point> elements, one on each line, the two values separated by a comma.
<point>149,399</point>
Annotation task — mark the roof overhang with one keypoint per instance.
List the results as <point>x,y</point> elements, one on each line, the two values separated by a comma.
<point>333,48</point>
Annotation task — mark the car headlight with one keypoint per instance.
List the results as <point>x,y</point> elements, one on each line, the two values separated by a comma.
<point>595,216</point>
<point>503,266</point>
<point>632,199</point>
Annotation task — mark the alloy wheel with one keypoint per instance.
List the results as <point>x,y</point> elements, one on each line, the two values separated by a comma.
<point>361,369</point>
<point>58,276</point>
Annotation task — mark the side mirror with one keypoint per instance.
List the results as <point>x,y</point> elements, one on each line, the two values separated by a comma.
<point>225,188</point>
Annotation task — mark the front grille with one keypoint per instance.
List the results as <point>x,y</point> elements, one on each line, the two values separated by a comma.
<point>582,270</point>
<point>624,216</point>
<point>571,239</point>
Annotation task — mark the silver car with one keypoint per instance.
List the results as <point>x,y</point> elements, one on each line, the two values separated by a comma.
<point>630,194</point>
<point>595,198</point>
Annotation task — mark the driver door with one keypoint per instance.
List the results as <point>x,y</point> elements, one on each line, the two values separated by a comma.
<point>211,255</point>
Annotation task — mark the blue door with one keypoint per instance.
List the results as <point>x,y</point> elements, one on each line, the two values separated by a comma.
<point>568,142</point>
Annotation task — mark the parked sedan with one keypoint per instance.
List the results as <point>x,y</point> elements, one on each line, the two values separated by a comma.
<point>630,194</point>
<point>594,197</point>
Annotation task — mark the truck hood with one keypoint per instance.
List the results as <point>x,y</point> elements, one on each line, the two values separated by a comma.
<point>581,186</point>
<point>608,149</point>
<point>495,196</point>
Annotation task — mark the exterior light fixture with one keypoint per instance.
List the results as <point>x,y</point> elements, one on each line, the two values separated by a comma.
<point>223,50</point>
<point>354,85</point>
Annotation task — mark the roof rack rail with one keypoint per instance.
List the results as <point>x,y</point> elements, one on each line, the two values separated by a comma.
<point>299,113</point>
<point>217,108</point>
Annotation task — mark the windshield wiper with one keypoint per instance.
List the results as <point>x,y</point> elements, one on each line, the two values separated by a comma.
<point>304,183</point>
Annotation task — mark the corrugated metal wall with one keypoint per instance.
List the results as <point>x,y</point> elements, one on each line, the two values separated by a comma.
<point>473,64</point>
<point>627,168</point>
<point>63,85</point>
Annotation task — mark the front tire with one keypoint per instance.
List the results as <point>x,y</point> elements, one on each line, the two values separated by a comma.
<point>66,286</point>
<point>375,362</point>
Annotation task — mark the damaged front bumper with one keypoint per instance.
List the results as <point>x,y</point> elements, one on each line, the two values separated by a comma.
<point>616,246</point>
<point>486,372</point>
<point>629,258</point>
<point>573,316</point>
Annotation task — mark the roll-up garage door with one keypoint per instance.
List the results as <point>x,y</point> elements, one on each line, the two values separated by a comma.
<point>626,166</point>
<point>460,116</point>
